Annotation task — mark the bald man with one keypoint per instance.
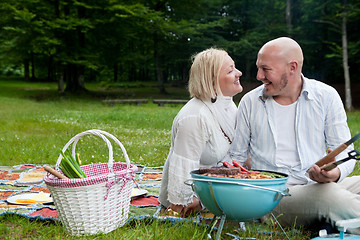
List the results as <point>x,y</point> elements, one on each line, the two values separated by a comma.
<point>286,125</point>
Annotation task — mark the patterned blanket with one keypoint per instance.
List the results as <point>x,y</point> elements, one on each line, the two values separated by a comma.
<point>144,203</point>
<point>28,178</point>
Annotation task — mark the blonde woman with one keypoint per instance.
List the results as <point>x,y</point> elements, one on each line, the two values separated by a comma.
<point>203,129</point>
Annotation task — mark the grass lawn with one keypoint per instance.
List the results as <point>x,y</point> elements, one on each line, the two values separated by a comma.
<point>36,123</point>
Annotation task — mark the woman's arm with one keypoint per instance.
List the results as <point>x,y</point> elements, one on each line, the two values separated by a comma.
<point>190,137</point>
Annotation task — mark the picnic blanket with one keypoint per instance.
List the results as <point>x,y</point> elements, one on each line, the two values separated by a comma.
<point>28,178</point>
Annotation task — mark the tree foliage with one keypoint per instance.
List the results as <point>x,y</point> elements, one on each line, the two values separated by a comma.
<point>77,41</point>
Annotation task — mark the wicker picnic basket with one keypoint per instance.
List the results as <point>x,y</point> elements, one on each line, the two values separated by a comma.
<point>99,203</point>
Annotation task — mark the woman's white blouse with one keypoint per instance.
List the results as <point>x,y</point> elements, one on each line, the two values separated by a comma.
<point>196,141</point>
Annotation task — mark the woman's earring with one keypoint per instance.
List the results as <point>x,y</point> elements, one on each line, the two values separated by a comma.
<point>213,100</point>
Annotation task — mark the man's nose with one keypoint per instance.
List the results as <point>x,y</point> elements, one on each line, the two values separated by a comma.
<point>260,75</point>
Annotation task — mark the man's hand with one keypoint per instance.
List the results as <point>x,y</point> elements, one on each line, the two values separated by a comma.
<point>322,176</point>
<point>247,163</point>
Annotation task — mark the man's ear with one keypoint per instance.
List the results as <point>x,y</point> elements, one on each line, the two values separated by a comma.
<point>293,66</point>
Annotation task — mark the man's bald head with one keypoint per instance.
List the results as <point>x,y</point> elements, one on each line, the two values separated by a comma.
<point>286,48</point>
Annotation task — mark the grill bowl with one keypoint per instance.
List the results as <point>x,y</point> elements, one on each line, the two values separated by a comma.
<point>239,199</point>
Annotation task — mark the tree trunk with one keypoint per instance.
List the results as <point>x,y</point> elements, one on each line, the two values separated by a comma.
<point>51,76</point>
<point>81,77</point>
<point>33,77</point>
<point>75,73</point>
<point>288,17</point>
<point>158,66</point>
<point>344,42</point>
<point>60,78</point>
<point>74,79</point>
<point>348,99</point>
<point>79,72</point>
<point>159,74</point>
<point>59,71</point>
<point>116,72</point>
<point>26,70</point>
<point>248,65</point>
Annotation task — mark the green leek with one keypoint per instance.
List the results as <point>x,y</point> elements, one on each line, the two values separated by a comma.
<point>70,166</point>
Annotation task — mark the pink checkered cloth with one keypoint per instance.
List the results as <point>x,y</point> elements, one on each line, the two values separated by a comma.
<point>96,174</point>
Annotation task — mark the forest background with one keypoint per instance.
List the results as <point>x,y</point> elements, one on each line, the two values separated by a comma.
<point>122,42</point>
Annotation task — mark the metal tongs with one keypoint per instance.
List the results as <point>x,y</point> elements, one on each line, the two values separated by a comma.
<point>327,159</point>
<point>354,154</point>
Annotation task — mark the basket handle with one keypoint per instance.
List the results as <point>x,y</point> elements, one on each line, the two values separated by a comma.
<point>127,160</point>
<point>101,134</point>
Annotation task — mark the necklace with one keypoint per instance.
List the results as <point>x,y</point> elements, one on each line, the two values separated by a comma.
<point>226,135</point>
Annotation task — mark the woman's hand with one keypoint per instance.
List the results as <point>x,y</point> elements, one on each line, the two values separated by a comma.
<point>185,211</point>
<point>321,176</point>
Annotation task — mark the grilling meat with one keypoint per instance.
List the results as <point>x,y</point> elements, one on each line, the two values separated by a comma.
<point>220,170</point>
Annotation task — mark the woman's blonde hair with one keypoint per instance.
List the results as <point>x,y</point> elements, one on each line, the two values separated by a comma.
<point>204,74</point>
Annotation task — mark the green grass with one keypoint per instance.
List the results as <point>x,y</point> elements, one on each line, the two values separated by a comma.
<point>36,123</point>
<point>33,131</point>
<point>14,227</point>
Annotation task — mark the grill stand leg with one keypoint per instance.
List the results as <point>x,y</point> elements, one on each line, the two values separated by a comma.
<point>221,225</point>
<point>212,226</point>
<point>219,229</point>
<point>280,226</point>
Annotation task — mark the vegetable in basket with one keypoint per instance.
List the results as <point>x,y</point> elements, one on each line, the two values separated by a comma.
<point>70,166</point>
